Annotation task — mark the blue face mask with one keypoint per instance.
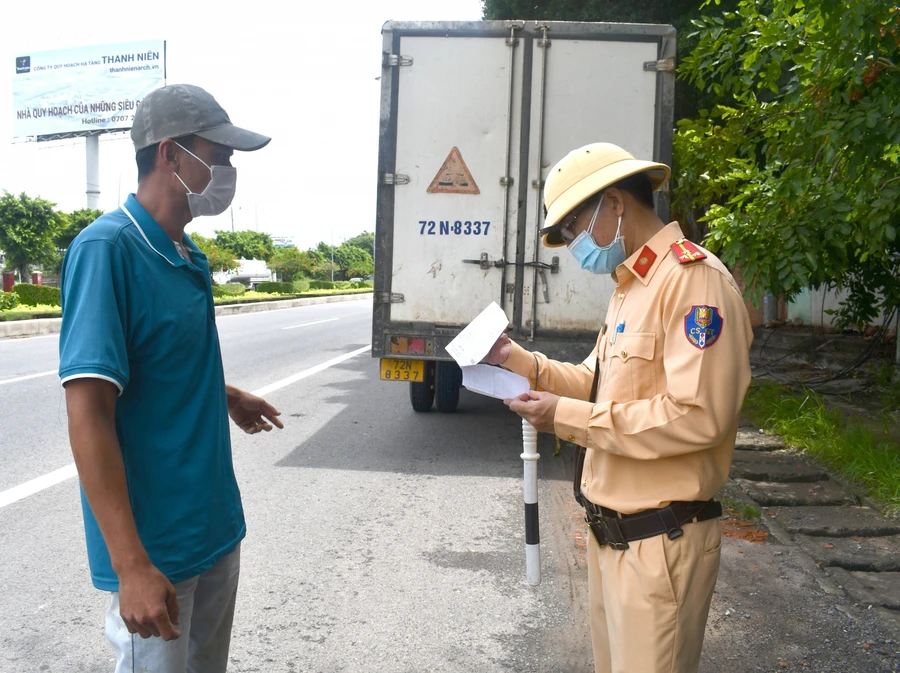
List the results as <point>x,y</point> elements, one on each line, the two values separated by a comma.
<point>591,256</point>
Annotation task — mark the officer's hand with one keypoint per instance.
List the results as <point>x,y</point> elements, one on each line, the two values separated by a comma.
<point>499,352</point>
<point>539,409</point>
<point>252,414</point>
<point>148,602</point>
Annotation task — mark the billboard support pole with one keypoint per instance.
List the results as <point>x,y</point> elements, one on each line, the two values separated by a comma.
<point>92,157</point>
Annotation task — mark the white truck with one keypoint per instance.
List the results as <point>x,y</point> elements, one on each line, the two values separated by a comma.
<point>473,116</point>
<point>250,273</point>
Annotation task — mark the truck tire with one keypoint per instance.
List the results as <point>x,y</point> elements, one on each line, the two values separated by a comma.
<point>421,395</point>
<point>449,381</point>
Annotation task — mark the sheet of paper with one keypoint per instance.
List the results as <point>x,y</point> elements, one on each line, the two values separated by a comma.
<point>473,343</point>
<point>494,382</point>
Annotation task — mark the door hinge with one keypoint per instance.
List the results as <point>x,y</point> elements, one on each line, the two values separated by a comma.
<point>394,179</point>
<point>507,181</point>
<point>544,28</point>
<point>665,65</point>
<point>394,60</point>
<point>512,40</point>
<point>387,298</point>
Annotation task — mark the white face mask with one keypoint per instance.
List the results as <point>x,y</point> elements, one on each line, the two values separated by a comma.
<point>218,194</point>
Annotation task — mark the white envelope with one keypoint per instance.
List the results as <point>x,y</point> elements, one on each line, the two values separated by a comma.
<point>475,341</point>
<point>494,382</point>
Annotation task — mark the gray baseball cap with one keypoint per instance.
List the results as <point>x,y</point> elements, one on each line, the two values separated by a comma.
<point>183,109</point>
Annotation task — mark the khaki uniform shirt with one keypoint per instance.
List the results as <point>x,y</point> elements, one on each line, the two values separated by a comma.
<point>674,368</point>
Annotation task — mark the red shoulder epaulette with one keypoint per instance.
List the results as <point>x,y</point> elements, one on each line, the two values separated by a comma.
<point>687,252</point>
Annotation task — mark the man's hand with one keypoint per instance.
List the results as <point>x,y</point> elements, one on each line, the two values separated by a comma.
<point>251,413</point>
<point>148,603</point>
<point>499,352</point>
<point>539,409</point>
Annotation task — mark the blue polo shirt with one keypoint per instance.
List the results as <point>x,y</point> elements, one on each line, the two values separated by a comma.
<point>136,314</point>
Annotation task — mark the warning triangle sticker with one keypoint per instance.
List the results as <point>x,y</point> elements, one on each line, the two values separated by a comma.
<point>454,177</point>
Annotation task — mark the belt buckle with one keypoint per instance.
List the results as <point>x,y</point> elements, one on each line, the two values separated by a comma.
<point>614,537</point>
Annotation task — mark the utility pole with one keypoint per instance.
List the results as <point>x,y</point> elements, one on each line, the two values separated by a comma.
<point>332,255</point>
<point>92,159</point>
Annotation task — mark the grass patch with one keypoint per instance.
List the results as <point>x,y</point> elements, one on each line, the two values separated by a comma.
<point>839,441</point>
<point>34,312</point>
<point>741,509</point>
<point>31,312</point>
<point>250,297</point>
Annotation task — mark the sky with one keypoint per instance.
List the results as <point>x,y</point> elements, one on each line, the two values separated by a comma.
<point>306,77</point>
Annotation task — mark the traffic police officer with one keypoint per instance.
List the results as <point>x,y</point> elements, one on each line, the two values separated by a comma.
<point>656,406</point>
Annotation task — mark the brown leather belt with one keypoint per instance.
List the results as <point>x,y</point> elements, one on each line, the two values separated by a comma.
<point>617,530</point>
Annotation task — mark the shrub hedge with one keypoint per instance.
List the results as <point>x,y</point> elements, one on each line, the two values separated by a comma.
<point>32,295</point>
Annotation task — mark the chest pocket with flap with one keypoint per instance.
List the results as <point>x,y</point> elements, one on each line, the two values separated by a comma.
<point>631,370</point>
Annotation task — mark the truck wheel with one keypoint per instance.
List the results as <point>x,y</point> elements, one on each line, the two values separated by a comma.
<point>449,380</point>
<point>421,395</point>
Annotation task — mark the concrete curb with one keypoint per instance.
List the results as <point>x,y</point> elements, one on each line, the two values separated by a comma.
<point>25,328</point>
<point>235,309</point>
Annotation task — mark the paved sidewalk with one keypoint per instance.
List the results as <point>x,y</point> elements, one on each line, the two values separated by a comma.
<point>815,584</point>
<point>26,328</point>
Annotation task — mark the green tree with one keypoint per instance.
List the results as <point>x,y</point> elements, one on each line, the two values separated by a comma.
<point>326,262</point>
<point>797,170</point>
<point>291,263</point>
<point>364,241</point>
<point>320,262</point>
<point>352,261</point>
<point>247,244</point>
<point>74,222</point>
<point>218,257</point>
<point>28,230</point>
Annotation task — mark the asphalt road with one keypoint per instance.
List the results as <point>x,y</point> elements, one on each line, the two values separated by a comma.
<point>379,539</point>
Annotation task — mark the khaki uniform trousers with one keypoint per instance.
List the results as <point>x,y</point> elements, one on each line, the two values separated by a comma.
<point>649,603</point>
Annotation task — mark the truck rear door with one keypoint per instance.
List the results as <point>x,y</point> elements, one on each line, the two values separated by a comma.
<point>453,128</point>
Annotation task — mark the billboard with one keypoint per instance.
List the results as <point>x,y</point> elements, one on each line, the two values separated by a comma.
<point>84,89</point>
<point>283,241</point>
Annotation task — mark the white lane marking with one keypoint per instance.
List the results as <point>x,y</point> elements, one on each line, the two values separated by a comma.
<point>37,485</point>
<point>265,390</point>
<point>30,376</point>
<point>16,493</point>
<point>307,324</point>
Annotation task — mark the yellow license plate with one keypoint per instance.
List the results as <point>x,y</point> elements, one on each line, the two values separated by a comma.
<point>402,370</point>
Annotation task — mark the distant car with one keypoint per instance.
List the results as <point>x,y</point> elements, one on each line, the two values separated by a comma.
<point>356,280</point>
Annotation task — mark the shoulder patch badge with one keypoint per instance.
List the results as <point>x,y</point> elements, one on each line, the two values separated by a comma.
<point>644,261</point>
<point>703,326</point>
<point>687,252</point>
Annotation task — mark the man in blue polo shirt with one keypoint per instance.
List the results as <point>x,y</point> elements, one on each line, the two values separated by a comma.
<point>147,402</point>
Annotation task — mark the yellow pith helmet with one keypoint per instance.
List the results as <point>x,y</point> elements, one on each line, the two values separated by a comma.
<point>585,172</point>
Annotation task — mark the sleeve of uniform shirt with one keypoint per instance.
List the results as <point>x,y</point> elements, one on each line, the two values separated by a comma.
<point>92,341</point>
<point>559,378</point>
<point>704,391</point>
